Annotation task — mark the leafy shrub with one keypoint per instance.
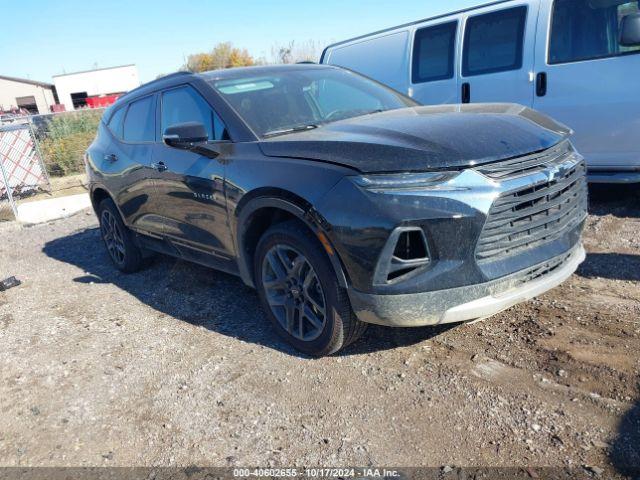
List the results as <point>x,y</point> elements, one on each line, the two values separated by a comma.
<point>65,140</point>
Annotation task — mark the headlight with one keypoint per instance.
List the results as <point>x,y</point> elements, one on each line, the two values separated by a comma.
<point>406,181</point>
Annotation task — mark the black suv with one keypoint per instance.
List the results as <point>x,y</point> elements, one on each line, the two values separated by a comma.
<point>342,201</point>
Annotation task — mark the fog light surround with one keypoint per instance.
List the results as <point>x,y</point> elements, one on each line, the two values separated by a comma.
<point>405,254</point>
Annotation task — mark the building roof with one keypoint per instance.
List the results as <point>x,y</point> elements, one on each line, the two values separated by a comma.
<point>26,80</point>
<point>94,70</point>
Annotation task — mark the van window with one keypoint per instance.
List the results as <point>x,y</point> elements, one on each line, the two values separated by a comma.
<point>433,53</point>
<point>184,104</point>
<point>582,31</point>
<point>140,121</point>
<point>115,124</point>
<point>493,42</point>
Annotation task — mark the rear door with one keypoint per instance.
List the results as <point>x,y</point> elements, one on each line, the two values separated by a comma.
<point>126,163</point>
<point>498,53</point>
<point>190,186</point>
<point>591,80</point>
<point>434,70</point>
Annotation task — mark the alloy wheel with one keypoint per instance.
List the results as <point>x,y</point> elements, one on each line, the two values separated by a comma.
<point>112,235</point>
<point>294,292</point>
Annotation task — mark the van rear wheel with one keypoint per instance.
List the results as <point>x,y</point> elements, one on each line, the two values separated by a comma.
<point>299,291</point>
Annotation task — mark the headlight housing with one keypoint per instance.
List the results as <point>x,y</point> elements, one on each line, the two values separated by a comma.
<point>397,182</point>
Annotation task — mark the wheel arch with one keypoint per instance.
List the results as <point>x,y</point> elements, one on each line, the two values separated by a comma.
<point>264,208</point>
<point>97,194</point>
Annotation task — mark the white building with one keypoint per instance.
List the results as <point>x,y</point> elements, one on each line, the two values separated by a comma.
<point>36,97</point>
<point>83,88</point>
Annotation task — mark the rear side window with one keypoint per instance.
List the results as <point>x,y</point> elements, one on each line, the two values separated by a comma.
<point>140,121</point>
<point>184,104</point>
<point>115,124</point>
<point>493,42</point>
<point>582,31</point>
<point>434,52</point>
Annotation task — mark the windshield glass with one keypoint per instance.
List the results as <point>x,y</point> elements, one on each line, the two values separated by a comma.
<point>297,100</point>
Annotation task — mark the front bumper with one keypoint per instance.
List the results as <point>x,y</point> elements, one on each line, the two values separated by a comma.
<point>468,302</point>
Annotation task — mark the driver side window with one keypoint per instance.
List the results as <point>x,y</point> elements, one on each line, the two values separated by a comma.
<point>581,31</point>
<point>184,104</point>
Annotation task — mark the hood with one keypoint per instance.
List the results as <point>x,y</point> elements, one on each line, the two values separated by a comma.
<point>424,138</point>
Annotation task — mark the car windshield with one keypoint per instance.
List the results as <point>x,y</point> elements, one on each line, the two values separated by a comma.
<point>298,100</point>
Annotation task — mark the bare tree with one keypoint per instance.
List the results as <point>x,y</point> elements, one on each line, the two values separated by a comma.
<point>293,52</point>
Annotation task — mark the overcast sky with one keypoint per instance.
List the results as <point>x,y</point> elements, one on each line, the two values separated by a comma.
<point>41,38</point>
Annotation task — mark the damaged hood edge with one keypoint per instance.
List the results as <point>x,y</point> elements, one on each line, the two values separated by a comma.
<point>424,138</point>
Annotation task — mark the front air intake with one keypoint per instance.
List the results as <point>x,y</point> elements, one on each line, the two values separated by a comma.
<point>405,254</point>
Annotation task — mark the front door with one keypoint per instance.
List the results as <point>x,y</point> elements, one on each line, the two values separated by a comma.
<point>591,80</point>
<point>498,53</point>
<point>190,186</point>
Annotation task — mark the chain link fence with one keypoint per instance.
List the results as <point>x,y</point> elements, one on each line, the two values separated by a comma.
<point>42,156</point>
<point>22,171</point>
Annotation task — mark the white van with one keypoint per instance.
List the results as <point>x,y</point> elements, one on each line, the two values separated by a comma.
<point>575,60</point>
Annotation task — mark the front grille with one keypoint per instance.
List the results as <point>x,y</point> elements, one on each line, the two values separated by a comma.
<point>519,166</point>
<point>533,215</point>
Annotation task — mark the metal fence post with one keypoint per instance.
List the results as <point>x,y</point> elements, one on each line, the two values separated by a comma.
<point>9,193</point>
<point>36,145</point>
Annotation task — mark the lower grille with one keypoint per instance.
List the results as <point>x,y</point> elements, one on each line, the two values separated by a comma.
<point>544,269</point>
<point>534,215</point>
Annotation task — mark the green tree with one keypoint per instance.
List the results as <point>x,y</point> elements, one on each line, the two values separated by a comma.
<point>223,55</point>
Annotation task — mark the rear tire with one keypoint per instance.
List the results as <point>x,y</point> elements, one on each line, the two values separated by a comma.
<point>119,240</point>
<point>300,293</point>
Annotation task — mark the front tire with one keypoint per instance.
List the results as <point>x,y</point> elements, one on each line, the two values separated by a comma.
<point>300,293</point>
<point>118,239</point>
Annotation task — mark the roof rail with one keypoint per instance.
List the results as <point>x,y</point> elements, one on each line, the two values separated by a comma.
<point>168,76</point>
<point>171,75</point>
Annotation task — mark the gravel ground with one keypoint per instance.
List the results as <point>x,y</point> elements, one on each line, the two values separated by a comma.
<point>176,365</point>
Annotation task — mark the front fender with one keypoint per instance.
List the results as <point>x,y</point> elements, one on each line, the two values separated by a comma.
<point>301,210</point>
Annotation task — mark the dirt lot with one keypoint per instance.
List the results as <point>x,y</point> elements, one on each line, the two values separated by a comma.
<point>176,366</point>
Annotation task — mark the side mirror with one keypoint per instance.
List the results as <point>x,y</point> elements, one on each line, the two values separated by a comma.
<point>185,136</point>
<point>630,30</point>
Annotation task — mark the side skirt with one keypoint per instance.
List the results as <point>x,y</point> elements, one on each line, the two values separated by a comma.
<point>206,259</point>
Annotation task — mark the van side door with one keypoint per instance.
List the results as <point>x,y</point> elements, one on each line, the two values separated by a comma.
<point>434,70</point>
<point>590,80</point>
<point>190,186</point>
<point>383,57</point>
<point>498,53</point>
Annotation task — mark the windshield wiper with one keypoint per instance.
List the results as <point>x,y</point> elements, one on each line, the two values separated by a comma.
<point>298,128</point>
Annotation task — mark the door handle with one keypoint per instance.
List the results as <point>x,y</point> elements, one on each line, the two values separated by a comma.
<point>466,92</point>
<point>159,166</point>
<point>541,84</point>
<point>112,157</point>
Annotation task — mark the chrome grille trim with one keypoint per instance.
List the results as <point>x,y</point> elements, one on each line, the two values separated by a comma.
<point>515,167</point>
<point>537,213</point>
